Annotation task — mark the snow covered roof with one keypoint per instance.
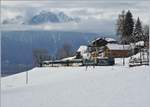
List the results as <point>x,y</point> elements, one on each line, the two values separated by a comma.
<point>118,47</point>
<point>95,40</point>
<point>69,58</point>
<point>82,49</point>
<point>110,40</point>
<point>105,39</point>
<point>47,61</point>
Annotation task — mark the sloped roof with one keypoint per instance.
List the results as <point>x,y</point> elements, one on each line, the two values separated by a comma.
<point>110,39</point>
<point>104,38</point>
<point>118,47</point>
<point>68,58</point>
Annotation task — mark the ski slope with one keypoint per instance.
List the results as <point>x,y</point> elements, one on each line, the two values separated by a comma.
<point>103,86</point>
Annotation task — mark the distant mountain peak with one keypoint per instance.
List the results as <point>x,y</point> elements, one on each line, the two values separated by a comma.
<point>48,16</point>
<point>42,17</point>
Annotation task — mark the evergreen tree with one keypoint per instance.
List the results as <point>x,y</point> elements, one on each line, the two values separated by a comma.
<point>138,32</point>
<point>128,28</point>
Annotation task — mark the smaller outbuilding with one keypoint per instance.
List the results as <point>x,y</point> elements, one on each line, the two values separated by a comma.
<point>117,50</point>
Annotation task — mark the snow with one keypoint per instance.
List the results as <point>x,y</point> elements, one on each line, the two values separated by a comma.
<point>101,55</point>
<point>118,47</point>
<point>111,86</point>
<point>82,49</point>
<point>139,58</point>
<point>140,43</point>
<point>86,56</point>
<point>69,58</point>
<point>106,39</point>
<point>110,40</point>
<point>142,55</point>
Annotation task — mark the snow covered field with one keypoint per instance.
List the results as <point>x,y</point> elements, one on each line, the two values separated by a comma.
<point>103,86</point>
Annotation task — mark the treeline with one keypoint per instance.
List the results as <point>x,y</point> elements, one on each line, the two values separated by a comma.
<point>131,30</point>
<point>40,55</point>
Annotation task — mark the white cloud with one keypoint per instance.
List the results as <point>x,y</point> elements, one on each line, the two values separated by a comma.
<point>96,15</point>
<point>8,13</point>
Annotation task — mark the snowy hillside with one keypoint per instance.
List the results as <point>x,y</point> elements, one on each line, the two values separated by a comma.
<point>112,86</point>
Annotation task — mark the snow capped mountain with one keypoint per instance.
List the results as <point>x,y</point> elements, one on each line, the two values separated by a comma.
<point>64,18</point>
<point>47,16</point>
<point>42,17</point>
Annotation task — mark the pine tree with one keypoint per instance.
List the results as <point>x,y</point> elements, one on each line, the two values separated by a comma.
<point>138,32</point>
<point>128,28</point>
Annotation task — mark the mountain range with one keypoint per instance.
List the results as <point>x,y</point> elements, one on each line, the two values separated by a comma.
<point>42,17</point>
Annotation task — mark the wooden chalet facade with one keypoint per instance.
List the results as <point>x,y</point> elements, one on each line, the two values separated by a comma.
<point>117,51</point>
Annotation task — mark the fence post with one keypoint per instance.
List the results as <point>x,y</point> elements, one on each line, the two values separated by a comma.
<point>26,77</point>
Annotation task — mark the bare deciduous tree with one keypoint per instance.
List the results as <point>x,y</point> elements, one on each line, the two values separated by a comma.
<point>120,25</point>
<point>65,51</point>
<point>146,33</point>
<point>39,55</point>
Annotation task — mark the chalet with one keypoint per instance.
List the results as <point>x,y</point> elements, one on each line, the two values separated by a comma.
<point>108,47</point>
<point>97,46</point>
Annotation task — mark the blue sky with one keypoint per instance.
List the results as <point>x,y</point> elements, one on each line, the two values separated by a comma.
<point>97,15</point>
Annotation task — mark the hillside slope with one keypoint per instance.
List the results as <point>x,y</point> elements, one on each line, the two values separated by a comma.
<point>113,86</point>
